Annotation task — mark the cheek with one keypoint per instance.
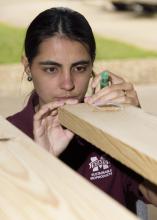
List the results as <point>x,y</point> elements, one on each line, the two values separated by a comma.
<point>45,90</point>
<point>45,87</point>
<point>39,84</point>
<point>42,81</point>
<point>82,83</point>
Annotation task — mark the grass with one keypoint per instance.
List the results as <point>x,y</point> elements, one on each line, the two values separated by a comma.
<point>11,44</point>
<point>112,49</point>
<point>11,47</point>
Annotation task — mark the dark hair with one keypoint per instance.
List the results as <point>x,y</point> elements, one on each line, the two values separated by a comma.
<point>61,21</point>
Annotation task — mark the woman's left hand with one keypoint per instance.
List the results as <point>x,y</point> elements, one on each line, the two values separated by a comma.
<point>149,191</point>
<point>119,92</point>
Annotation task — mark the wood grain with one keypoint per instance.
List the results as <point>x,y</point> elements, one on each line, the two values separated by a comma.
<point>35,185</point>
<point>128,135</point>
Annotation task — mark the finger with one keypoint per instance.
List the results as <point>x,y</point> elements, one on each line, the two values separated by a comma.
<point>39,123</point>
<point>97,84</point>
<point>95,87</point>
<point>121,86</point>
<point>128,97</point>
<point>102,100</point>
<point>52,122</point>
<point>55,122</point>
<point>107,92</point>
<point>96,81</point>
<point>131,93</point>
<point>114,79</point>
<point>54,112</point>
<point>71,101</point>
<point>144,191</point>
<point>39,115</point>
<point>38,131</point>
<point>69,133</point>
<point>117,101</point>
<point>39,127</point>
<point>118,88</point>
<point>104,75</point>
<point>47,109</point>
<point>53,105</point>
<point>123,100</point>
<point>134,97</point>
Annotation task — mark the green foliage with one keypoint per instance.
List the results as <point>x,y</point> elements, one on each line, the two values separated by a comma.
<point>108,49</point>
<point>11,44</point>
<point>11,47</point>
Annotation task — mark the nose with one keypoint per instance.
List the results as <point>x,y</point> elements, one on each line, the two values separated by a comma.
<point>67,82</point>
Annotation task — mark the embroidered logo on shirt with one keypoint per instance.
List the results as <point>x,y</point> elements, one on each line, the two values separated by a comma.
<point>101,168</point>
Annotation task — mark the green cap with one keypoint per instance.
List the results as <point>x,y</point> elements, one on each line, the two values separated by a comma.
<point>104,81</point>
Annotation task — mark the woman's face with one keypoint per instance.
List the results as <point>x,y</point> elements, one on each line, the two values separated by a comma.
<point>61,70</point>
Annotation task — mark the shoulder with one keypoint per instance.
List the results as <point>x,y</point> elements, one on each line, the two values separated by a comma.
<point>24,119</point>
<point>17,119</point>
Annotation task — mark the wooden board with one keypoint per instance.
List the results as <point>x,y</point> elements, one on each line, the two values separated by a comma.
<point>147,95</point>
<point>129,135</point>
<point>35,185</point>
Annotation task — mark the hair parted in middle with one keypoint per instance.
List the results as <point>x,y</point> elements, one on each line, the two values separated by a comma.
<point>58,21</point>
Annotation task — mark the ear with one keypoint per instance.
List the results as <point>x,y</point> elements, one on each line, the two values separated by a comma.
<point>26,65</point>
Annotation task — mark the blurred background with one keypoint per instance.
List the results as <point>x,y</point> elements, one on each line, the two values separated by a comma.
<point>126,36</point>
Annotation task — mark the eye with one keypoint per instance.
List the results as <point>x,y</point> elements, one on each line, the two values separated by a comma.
<point>80,68</point>
<point>51,69</point>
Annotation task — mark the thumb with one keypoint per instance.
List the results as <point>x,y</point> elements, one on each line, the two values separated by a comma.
<point>114,79</point>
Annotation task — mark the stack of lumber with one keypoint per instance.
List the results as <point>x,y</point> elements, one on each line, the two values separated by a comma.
<point>36,185</point>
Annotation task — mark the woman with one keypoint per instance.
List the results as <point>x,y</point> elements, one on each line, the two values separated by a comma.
<point>59,55</point>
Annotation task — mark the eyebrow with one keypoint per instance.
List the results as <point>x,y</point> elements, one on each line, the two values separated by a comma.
<point>81,62</point>
<point>49,63</point>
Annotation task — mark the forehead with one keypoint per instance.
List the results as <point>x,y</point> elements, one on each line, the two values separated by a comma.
<point>62,49</point>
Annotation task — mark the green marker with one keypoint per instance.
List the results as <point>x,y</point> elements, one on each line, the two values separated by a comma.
<point>104,79</point>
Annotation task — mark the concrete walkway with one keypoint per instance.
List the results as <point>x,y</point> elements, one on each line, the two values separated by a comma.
<point>122,26</point>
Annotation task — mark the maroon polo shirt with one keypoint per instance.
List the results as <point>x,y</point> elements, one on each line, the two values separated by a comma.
<point>99,168</point>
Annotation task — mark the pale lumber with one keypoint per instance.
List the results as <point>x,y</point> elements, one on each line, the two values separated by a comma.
<point>128,135</point>
<point>35,185</point>
<point>147,95</point>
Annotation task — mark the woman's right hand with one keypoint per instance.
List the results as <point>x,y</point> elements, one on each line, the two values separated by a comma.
<point>47,130</point>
